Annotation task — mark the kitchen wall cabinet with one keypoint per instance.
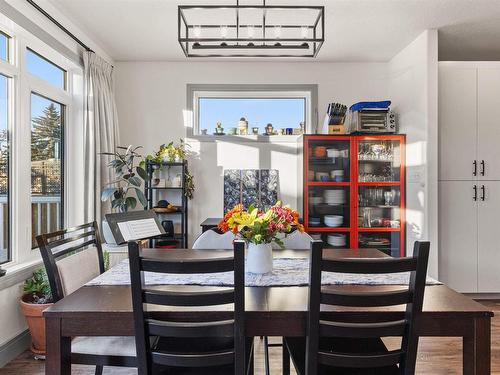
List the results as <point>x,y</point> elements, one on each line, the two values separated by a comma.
<point>457,123</point>
<point>488,256</point>
<point>458,235</point>
<point>488,123</point>
<point>469,176</point>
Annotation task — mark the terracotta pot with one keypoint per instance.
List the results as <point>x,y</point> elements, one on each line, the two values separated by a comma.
<point>34,317</point>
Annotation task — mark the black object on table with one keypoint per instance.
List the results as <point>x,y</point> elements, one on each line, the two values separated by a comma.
<point>210,223</point>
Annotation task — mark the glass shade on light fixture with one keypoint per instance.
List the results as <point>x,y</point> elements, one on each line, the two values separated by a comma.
<point>277,32</point>
<point>197,31</point>
<point>223,31</point>
<point>304,32</point>
<point>250,32</point>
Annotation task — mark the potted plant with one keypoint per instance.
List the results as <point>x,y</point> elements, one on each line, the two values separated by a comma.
<point>129,178</point>
<point>36,298</point>
<point>172,153</point>
<point>259,230</point>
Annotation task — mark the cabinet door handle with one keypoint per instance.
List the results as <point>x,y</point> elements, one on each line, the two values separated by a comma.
<point>475,193</point>
<point>474,171</point>
<point>483,192</point>
<point>483,167</point>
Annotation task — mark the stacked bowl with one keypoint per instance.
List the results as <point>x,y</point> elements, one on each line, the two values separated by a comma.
<point>334,197</point>
<point>333,220</point>
<point>337,239</point>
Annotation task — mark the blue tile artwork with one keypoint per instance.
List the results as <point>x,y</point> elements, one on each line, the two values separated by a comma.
<point>247,186</point>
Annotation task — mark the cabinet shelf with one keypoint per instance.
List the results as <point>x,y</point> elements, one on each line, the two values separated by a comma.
<point>380,183</point>
<point>329,183</point>
<point>378,229</point>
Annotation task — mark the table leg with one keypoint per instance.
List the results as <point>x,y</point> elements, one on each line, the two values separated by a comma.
<point>477,348</point>
<point>58,359</point>
<point>285,359</point>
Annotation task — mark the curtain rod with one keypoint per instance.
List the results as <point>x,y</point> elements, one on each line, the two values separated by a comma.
<point>55,22</point>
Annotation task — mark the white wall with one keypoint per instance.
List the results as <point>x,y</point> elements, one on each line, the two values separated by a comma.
<point>413,91</point>
<point>151,97</point>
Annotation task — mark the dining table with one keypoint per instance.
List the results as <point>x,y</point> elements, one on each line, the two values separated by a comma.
<point>270,310</point>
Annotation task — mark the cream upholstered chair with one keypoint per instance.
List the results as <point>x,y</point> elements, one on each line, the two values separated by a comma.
<point>296,240</point>
<point>73,257</point>
<point>212,240</point>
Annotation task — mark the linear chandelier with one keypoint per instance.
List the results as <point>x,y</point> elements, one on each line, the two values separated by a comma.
<point>251,30</point>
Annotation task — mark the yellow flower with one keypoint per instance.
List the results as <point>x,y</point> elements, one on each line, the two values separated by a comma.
<point>258,237</point>
<point>247,219</point>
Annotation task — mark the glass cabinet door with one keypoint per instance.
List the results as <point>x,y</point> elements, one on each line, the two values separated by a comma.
<point>379,207</point>
<point>379,160</point>
<point>387,242</point>
<point>328,183</point>
<point>332,240</point>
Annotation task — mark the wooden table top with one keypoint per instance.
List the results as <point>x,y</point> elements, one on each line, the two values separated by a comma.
<point>116,300</point>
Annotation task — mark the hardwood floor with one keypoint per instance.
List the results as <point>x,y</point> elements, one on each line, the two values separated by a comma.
<point>436,356</point>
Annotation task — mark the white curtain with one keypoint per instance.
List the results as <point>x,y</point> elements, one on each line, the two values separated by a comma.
<point>100,132</point>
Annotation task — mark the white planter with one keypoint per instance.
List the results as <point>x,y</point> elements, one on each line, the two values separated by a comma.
<point>259,258</point>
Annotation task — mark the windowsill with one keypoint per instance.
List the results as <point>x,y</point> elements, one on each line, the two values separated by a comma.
<point>248,138</point>
<point>17,273</point>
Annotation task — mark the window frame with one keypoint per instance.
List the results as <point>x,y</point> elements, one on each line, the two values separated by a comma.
<point>195,92</point>
<point>22,84</point>
<point>42,57</point>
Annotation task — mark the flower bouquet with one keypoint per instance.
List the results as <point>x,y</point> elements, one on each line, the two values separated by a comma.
<point>259,230</point>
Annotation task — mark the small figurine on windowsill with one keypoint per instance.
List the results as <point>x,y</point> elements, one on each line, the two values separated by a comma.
<point>269,129</point>
<point>219,130</point>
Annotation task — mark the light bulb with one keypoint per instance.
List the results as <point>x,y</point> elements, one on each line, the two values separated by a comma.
<point>223,32</point>
<point>304,31</point>
<point>277,32</point>
<point>197,31</point>
<point>251,32</point>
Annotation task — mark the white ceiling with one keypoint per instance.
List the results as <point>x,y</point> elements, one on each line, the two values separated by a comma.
<point>356,30</point>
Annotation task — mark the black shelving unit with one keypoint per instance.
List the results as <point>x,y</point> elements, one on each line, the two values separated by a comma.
<point>152,199</point>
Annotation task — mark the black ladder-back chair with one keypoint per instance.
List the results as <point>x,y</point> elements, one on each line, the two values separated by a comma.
<point>60,246</point>
<point>176,348</point>
<point>327,341</point>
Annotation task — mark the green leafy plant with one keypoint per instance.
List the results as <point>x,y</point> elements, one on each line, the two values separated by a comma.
<point>188,185</point>
<point>172,152</point>
<point>38,287</point>
<point>169,151</point>
<point>129,179</point>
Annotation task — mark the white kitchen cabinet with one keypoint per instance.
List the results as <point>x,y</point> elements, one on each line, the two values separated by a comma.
<point>457,122</point>
<point>488,237</point>
<point>469,134</point>
<point>458,235</point>
<point>488,121</point>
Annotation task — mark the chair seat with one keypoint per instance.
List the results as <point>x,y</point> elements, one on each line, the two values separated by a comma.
<point>120,346</point>
<point>297,349</point>
<point>197,346</point>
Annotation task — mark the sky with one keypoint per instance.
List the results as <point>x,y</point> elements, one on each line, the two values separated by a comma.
<point>36,66</point>
<point>281,112</point>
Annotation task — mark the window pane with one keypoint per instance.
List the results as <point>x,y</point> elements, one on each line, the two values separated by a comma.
<point>4,47</point>
<point>282,113</point>
<point>44,69</point>
<point>47,155</point>
<point>4,171</point>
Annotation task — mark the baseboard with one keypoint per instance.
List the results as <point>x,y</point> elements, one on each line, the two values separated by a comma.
<point>14,347</point>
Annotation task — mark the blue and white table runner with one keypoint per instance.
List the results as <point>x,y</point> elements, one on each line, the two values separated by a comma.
<point>286,272</point>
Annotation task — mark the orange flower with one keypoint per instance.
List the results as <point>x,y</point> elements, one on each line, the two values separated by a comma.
<point>223,225</point>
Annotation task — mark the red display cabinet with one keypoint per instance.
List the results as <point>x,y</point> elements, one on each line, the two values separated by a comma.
<point>354,191</point>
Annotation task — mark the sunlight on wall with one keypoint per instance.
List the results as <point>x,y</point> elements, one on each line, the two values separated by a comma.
<point>187,116</point>
<point>238,156</point>
<point>416,154</point>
